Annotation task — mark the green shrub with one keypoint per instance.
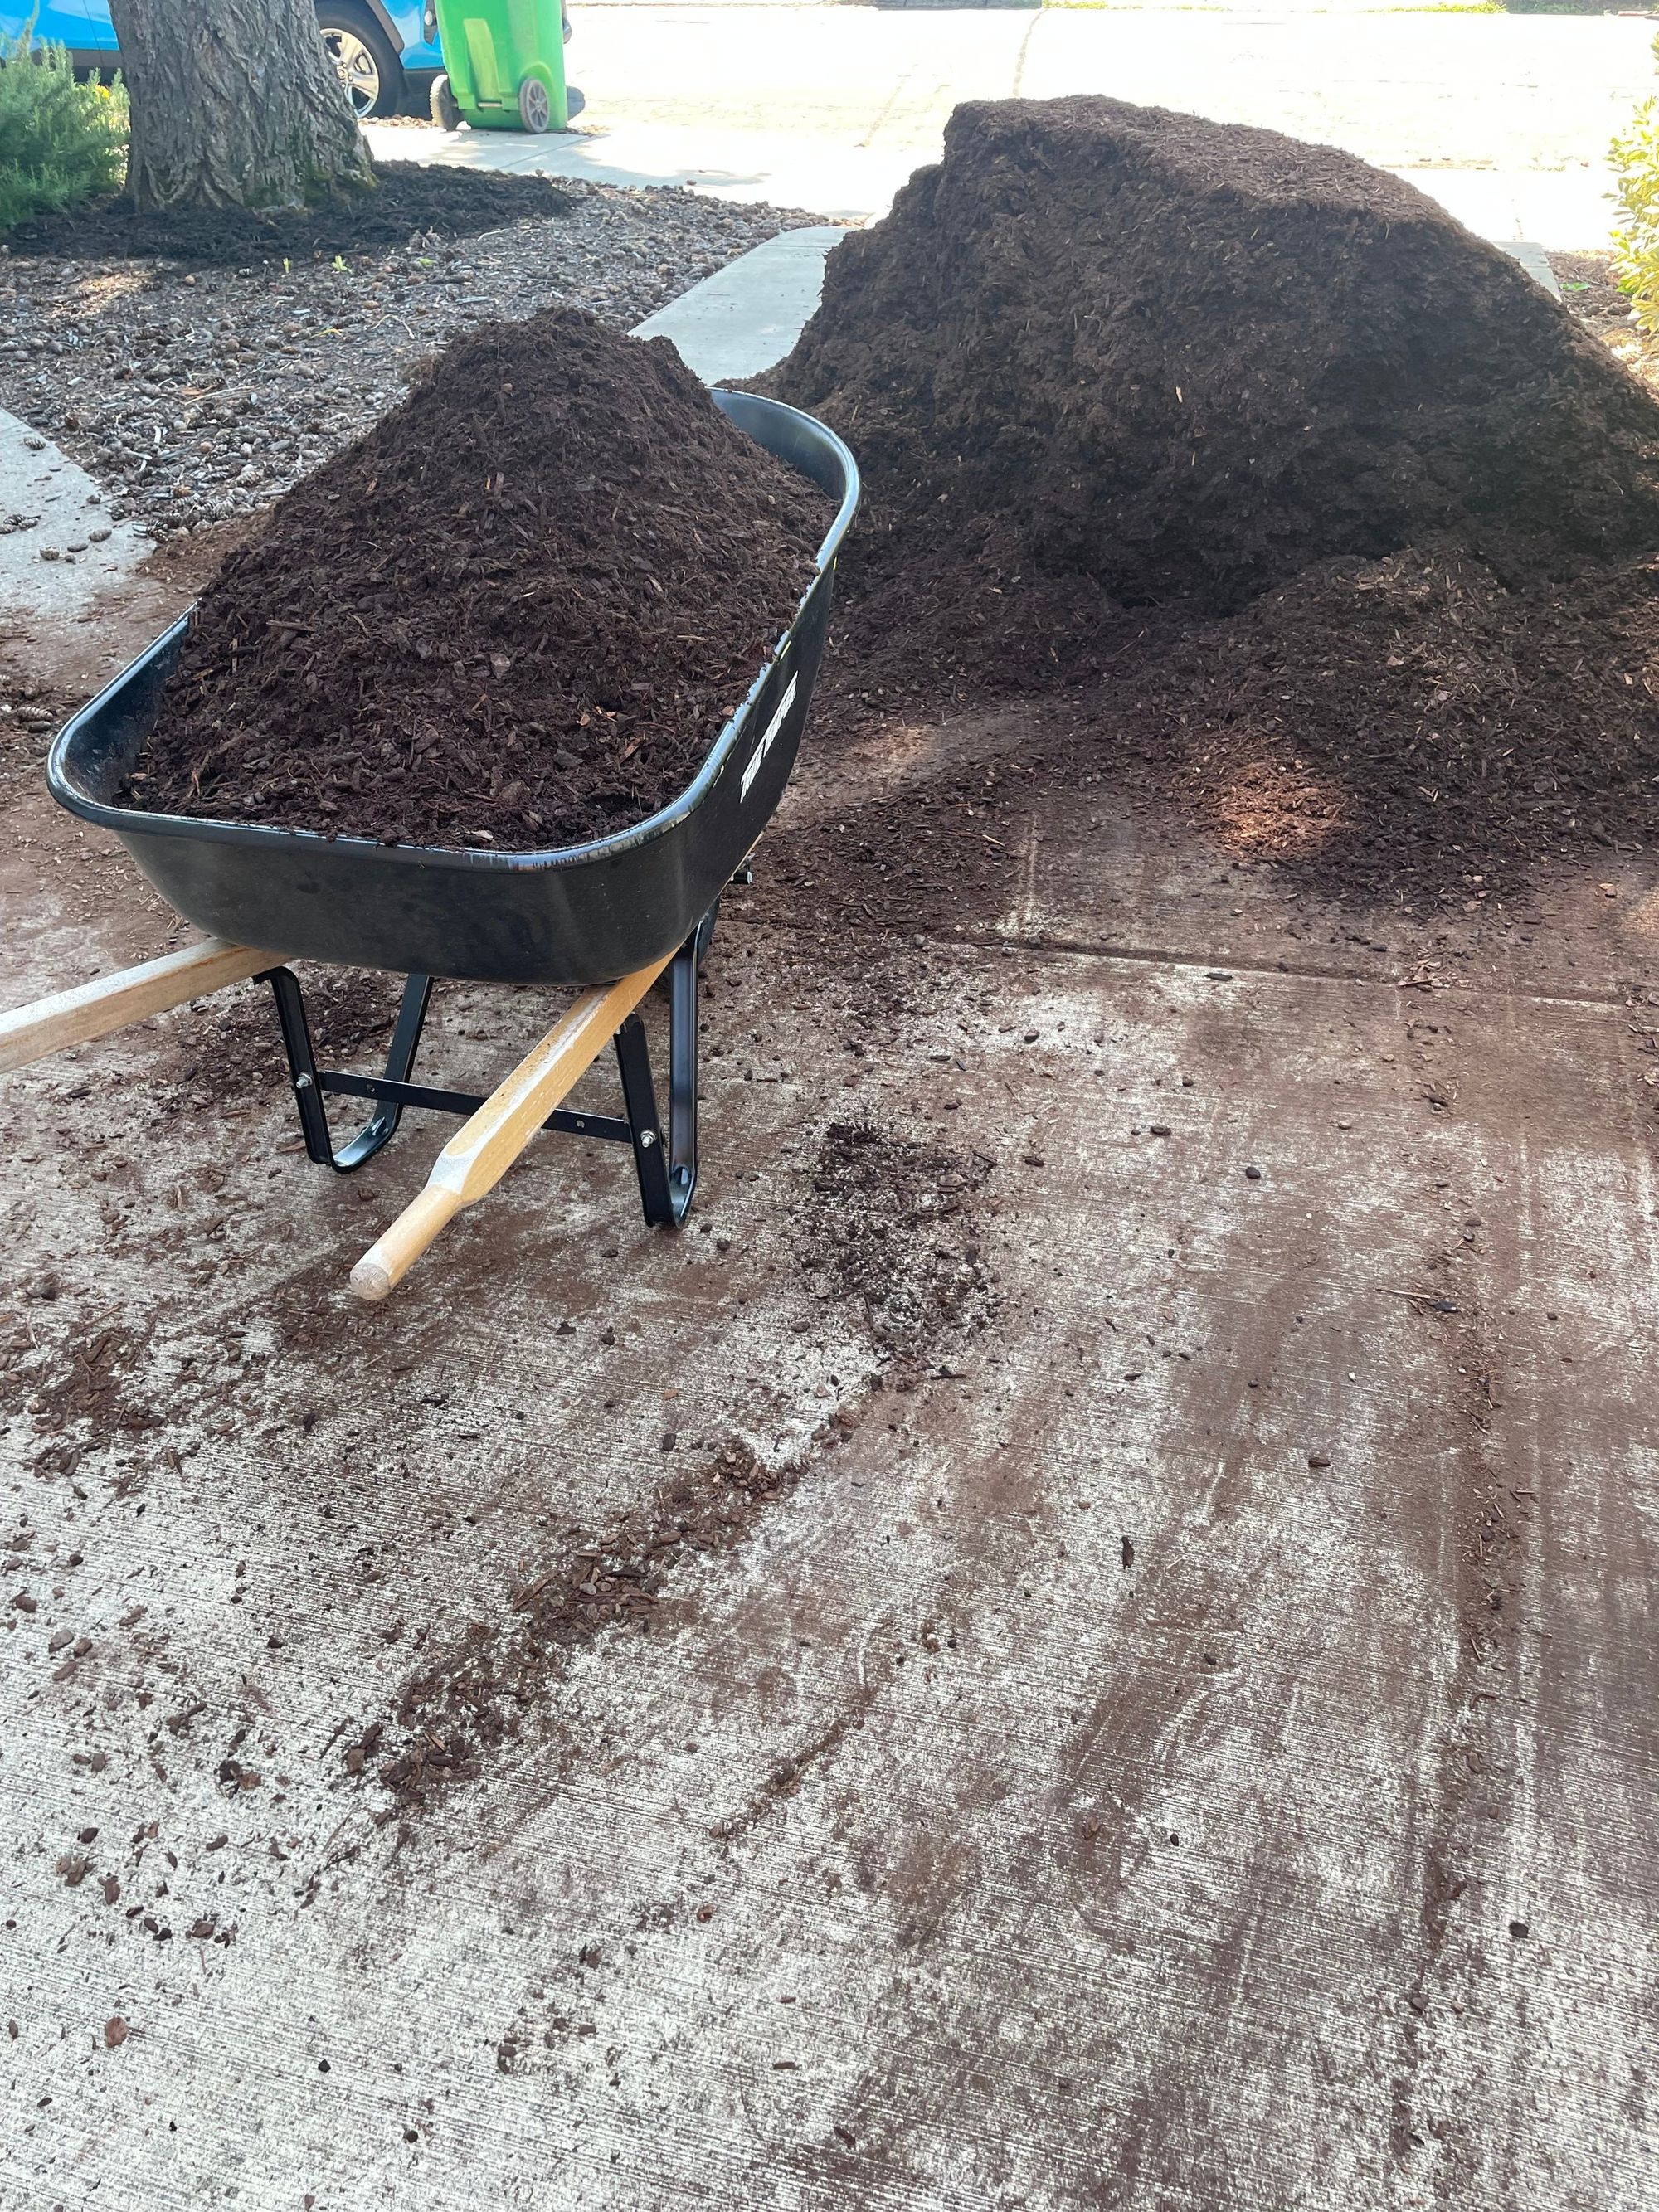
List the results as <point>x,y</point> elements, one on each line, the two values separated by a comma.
<point>61,143</point>
<point>1635,159</point>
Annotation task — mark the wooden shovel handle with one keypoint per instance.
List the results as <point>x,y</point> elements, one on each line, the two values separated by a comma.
<point>483,1148</point>
<point>132,994</point>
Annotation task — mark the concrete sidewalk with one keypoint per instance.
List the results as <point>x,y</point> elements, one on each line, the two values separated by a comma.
<point>1505,120</point>
<point>59,548</point>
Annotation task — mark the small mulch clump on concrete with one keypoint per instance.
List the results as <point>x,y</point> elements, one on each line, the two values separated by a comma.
<point>520,611</point>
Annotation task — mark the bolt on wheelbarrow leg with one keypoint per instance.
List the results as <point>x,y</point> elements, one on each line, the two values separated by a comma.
<point>640,1097</point>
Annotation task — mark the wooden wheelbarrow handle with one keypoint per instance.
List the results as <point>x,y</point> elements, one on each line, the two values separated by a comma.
<point>483,1148</point>
<point>132,994</point>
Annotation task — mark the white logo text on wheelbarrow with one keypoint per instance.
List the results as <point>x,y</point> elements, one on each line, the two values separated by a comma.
<point>767,735</point>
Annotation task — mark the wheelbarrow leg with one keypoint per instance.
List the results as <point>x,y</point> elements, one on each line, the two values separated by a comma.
<point>308,1090</point>
<point>667,1171</point>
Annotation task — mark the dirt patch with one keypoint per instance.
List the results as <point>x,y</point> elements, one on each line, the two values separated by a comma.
<point>892,1232</point>
<point>411,198</point>
<point>519,610</point>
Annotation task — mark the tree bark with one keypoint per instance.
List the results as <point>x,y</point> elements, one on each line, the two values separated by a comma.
<point>234,104</point>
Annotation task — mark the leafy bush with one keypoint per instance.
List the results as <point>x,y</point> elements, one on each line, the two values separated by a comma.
<point>1635,159</point>
<point>61,143</point>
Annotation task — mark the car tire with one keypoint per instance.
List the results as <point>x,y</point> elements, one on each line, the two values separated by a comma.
<point>358,47</point>
<point>445,109</point>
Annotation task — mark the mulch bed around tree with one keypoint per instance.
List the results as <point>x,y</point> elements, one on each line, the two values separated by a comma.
<point>412,199</point>
<point>519,610</point>
<point>1327,521</point>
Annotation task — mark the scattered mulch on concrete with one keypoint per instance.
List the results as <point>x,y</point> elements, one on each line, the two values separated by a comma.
<point>1327,521</point>
<point>519,611</point>
<point>98,1382</point>
<point>412,199</point>
<point>473,1694</point>
<point>233,1043</point>
<point>893,1233</point>
<point>893,1238</point>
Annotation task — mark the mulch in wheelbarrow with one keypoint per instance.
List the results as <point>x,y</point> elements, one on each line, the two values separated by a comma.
<point>1273,468</point>
<point>518,612</point>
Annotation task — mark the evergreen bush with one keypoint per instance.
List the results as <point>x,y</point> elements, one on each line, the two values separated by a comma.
<point>61,143</point>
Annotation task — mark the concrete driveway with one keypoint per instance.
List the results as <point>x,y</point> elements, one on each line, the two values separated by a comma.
<point>1505,118</point>
<point>1081,1638</point>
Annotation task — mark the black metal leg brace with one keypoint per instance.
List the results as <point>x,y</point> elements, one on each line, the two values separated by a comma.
<point>309,1084</point>
<point>667,1170</point>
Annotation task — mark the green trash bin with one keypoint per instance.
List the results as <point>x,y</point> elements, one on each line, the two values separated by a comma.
<point>503,64</point>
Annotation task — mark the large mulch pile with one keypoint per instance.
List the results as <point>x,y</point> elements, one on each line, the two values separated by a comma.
<point>1330,518</point>
<point>1410,729</point>
<point>410,199</point>
<point>520,610</point>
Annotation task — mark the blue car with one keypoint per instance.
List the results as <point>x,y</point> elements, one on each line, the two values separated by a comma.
<point>387,51</point>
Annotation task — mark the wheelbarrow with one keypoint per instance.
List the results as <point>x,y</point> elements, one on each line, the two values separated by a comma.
<point>608,917</point>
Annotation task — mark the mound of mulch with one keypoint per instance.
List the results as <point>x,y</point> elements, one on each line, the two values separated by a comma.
<point>1409,729</point>
<point>412,199</point>
<point>1265,457</point>
<point>1187,360</point>
<point>519,610</point>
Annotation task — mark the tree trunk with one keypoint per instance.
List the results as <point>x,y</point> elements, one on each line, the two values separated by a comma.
<point>234,104</point>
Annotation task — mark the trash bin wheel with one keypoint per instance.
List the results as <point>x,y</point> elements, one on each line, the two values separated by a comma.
<point>535,105</point>
<point>445,111</point>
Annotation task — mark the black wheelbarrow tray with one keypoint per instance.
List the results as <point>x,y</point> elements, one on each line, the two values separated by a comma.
<point>603,913</point>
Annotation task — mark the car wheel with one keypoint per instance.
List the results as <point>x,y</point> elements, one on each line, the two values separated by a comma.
<point>368,69</point>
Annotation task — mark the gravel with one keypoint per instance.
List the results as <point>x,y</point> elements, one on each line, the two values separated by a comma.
<point>195,396</point>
